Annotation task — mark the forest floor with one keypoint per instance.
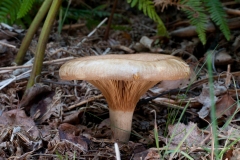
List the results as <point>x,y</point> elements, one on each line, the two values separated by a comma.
<point>59,119</point>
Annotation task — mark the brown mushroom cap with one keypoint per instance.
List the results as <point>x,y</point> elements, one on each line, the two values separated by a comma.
<point>123,79</point>
<point>129,67</point>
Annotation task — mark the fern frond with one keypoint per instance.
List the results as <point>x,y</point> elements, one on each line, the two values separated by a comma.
<point>133,3</point>
<point>218,16</point>
<point>25,7</point>
<point>147,6</point>
<point>197,17</point>
<point>8,10</point>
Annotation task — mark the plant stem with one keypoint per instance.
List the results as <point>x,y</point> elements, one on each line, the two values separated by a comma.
<point>38,62</point>
<point>110,21</point>
<point>31,31</point>
<point>213,110</point>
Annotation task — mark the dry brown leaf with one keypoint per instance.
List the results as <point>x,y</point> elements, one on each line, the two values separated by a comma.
<point>45,131</point>
<point>18,117</point>
<point>228,155</point>
<point>33,94</point>
<point>73,117</point>
<point>235,154</point>
<point>147,155</point>
<point>45,107</point>
<point>18,134</point>
<point>226,105</point>
<point>104,123</point>
<point>205,99</point>
<point>179,131</point>
<point>68,142</point>
<point>72,134</point>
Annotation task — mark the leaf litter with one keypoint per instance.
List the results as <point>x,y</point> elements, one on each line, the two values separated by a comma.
<point>56,118</point>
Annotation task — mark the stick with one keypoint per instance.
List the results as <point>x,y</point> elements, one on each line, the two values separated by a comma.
<point>29,66</point>
<point>85,101</point>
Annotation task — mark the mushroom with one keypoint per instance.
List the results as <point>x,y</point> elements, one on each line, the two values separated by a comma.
<point>123,79</point>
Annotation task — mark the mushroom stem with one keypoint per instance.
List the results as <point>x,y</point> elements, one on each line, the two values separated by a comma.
<point>122,97</point>
<point>121,124</point>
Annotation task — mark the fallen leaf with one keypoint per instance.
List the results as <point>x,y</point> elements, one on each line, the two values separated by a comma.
<point>147,155</point>
<point>228,155</point>
<point>226,105</point>
<point>104,123</point>
<point>33,95</point>
<point>178,132</point>
<point>18,117</point>
<point>205,98</point>
<point>72,134</point>
<point>235,154</point>
<point>50,106</point>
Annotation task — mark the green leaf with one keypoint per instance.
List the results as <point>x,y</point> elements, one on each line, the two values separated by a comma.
<point>218,16</point>
<point>24,8</point>
<point>8,10</point>
<point>195,12</point>
<point>133,3</point>
<point>148,9</point>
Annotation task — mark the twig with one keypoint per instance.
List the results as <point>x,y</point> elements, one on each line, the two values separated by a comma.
<point>8,81</point>
<point>202,81</point>
<point>60,83</point>
<point>124,48</point>
<point>191,30</point>
<point>187,148</point>
<point>73,26</point>
<point>62,50</point>
<point>106,51</point>
<point>220,135</point>
<point>85,101</point>
<point>228,77</point>
<point>232,11</point>
<point>110,20</point>
<point>213,145</point>
<point>45,63</point>
<point>91,33</point>
<point>8,45</point>
<point>229,3</point>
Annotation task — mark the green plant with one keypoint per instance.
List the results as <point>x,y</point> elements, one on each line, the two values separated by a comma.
<point>197,12</point>
<point>62,17</point>
<point>42,42</point>
<point>31,31</point>
<point>218,16</point>
<point>11,11</point>
<point>147,6</point>
<point>25,6</point>
<point>166,148</point>
<point>91,15</point>
<point>213,109</point>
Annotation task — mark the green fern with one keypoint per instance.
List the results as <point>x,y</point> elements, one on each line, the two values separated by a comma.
<point>218,16</point>
<point>197,17</point>
<point>25,7</point>
<point>11,10</point>
<point>147,6</point>
<point>8,10</point>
